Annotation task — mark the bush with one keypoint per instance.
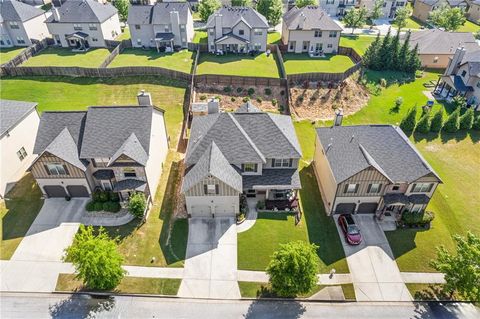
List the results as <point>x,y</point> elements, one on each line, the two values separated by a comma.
<point>114,197</point>
<point>281,108</point>
<point>423,125</point>
<point>90,207</point>
<point>203,97</point>
<point>459,102</point>
<point>239,90</point>
<point>437,121</point>
<point>268,91</point>
<point>259,99</point>
<point>261,205</point>
<point>274,102</point>
<point>137,204</point>
<point>383,82</point>
<point>112,207</point>
<point>246,99</point>
<point>476,123</point>
<point>227,89</point>
<point>452,124</point>
<point>398,102</point>
<point>243,204</point>
<point>97,206</point>
<point>232,99</point>
<point>466,120</point>
<point>421,218</point>
<point>251,91</point>
<point>100,196</point>
<point>409,121</point>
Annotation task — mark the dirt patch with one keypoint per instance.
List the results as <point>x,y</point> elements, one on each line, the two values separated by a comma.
<point>319,100</point>
<point>267,98</point>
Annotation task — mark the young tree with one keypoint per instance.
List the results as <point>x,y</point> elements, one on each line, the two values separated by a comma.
<point>384,53</point>
<point>355,18</point>
<point>241,3</point>
<point>304,3</point>
<point>476,123</point>
<point>137,204</point>
<point>403,53</point>
<point>96,259</point>
<point>448,18</point>
<point>293,269</point>
<point>271,9</point>
<point>401,16</point>
<point>452,124</point>
<point>371,54</point>
<point>377,11</point>
<point>395,52</point>
<point>462,271</point>
<point>466,120</point>
<point>122,7</point>
<point>423,125</point>
<point>413,63</point>
<point>437,121</point>
<point>409,121</point>
<point>208,7</point>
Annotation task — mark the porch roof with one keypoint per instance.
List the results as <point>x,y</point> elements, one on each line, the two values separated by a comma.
<point>418,199</point>
<point>130,184</point>
<point>104,174</point>
<point>78,35</point>
<point>234,39</point>
<point>273,179</point>
<point>168,36</point>
<point>456,82</point>
<point>395,199</point>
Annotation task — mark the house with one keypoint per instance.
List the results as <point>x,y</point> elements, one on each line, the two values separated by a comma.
<point>116,148</point>
<point>337,7</point>
<point>36,2</point>
<point>82,24</point>
<point>462,77</point>
<point>245,152</point>
<point>473,13</point>
<point>21,23</point>
<point>389,7</point>
<point>310,29</point>
<point>371,169</point>
<point>422,8</point>
<point>436,47</point>
<point>165,24</point>
<point>18,124</point>
<point>237,29</point>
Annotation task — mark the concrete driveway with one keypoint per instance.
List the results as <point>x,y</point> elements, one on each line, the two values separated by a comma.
<point>375,274</point>
<point>211,262</point>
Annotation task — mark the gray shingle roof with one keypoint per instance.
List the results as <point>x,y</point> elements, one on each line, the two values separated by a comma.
<point>84,11</point>
<point>273,178</point>
<point>213,163</point>
<point>387,145</point>
<point>158,13</point>
<point>18,11</point>
<point>130,184</point>
<point>436,41</point>
<point>472,57</point>
<point>133,149</point>
<point>12,112</point>
<point>309,18</point>
<point>232,15</point>
<point>64,147</point>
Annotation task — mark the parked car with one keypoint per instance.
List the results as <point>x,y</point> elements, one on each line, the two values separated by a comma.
<point>350,229</point>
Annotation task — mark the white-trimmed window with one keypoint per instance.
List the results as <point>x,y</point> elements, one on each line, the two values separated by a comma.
<point>257,32</point>
<point>129,172</point>
<point>422,187</point>
<point>374,188</point>
<point>56,169</point>
<point>182,27</point>
<point>332,34</point>
<point>20,40</point>
<point>92,26</point>
<point>329,45</point>
<point>211,188</point>
<point>212,32</point>
<point>350,188</point>
<point>77,27</point>
<point>22,153</point>
<point>281,162</point>
<point>167,28</point>
<point>139,41</point>
<point>94,39</point>
<point>14,25</point>
<point>241,32</point>
<point>250,167</point>
<point>257,46</point>
<point>318,34</point>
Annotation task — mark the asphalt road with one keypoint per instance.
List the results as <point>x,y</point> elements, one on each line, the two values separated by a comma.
<point>81,306</point>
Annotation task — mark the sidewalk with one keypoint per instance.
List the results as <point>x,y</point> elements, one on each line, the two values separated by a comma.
<point>251,217</point>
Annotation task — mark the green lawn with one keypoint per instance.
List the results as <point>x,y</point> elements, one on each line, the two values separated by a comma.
<point>259,290</point>
<point>232,64</point>
<point>65,57</point>
<point>359,43</point>
<point>200,37</point>
<point>6,54</point>
<point>125,35</point>
<point>469,26</point>
<point>301,63</point>
<point>412,24</point>
<point>274,38</point>
<point>179,61</point>
<point>18,212</point>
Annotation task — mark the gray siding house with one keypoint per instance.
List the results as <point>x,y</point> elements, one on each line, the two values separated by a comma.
<point>237,29</point>
<point>165,24</point>
<point>21,23</point>
<point>82,24</point>
<point>248,151</point>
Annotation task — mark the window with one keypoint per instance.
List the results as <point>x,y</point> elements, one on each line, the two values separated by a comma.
<point>212,32</point>
<point>330,1</point>
<point>395,187</point>
<point>211,188</point>
<point>212,47</point>
<point>92,26</point>
<point>292,45</point>
<point>350,188</point>
<point>139,41</point>
<point>137,27</point>
<point>281,162</point>
<point>56,169</point>
<point>332,34</point>
<point>435,59</point>
<point>182,27</point>
<point>129,172</point>
<point>329,45</point>
<point>257,46</point>
<point>464,73</point>
<point>422,187</point>
<point>167,28</point>
<point>478,84</point>
<point>374,188</point>
<point>305,45</point>
<point>14,25</point>
<point>400,4</point>
<point>20,40</point>
<point>94,39</point>
<point>22,154</point>
<point>257,32</point>
<point>241,32</point>
<point>318,34</point>
<point>77,27</point>
<point>250,167</point>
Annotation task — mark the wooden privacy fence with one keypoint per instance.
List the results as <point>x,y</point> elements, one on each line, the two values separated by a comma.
<point>319,76</point>
<point>236,80</point>
<point>202,47</point>
<point>28,53</point>
<point>118,49</point>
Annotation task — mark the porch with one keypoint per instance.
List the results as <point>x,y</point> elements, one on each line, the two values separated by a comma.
<point>78,41</point>
<point>394,205</point>
<point>164,40</point>
<point>449,86</point>
<point>231,43</point>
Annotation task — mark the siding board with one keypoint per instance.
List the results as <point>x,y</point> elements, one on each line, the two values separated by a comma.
<point>39,171</point>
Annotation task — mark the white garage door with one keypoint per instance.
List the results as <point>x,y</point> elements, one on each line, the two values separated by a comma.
<point>201,211</point>
<point>224,211</point>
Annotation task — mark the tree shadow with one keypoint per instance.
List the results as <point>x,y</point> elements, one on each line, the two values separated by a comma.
<point>286,309</point>
<point>433,292</point>
<point>474,136</point>
<point>81,306</point>
<point>418,137</point>
<point>457,136</point>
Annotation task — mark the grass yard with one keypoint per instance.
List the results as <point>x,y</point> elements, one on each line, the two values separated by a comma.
<point>274,38</point>
<point>18,212</point>
<point>130,285</point>
<point>200,37</point>
<point>125,35</point>
<point>412,24</point>
<point>469,26</point>
<point>259,290</point>
<point>178,61</point>
<point>244,64</point>
<point>65,57</point>
<point>302,63</point>
<point>359,43</point>
<point>6,54</point>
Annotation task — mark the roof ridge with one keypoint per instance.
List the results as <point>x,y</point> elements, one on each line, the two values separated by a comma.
<point>247,137</point>
<point>372,161</point>
<point>284,135</point>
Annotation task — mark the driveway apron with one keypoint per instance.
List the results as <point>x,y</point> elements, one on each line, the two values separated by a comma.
<point>211,262</point>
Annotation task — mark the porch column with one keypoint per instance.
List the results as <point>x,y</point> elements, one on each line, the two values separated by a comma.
<point>438,82</point>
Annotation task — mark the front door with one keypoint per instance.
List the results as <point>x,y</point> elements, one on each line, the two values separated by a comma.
<point>107,185</point>
<point>318,47</point>
<point>306,45</point>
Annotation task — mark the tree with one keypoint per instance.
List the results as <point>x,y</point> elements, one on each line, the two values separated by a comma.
<point>413,63</point>
<point>452,124</point>
<point>409,121</point>
<point>208,7</point>
<point>137,204</point>
<point>437,121</point>
<point>355,18</point>
<point>394,52</point>
<point>96,259</point>
<point>459,101</point>
<point>304,3</point>
<point>476,123</point>
<point>462,271</point>
<point>241,3</point>
<point>122,7</point>
<point>371,54</point>
<point>377,11</point>
<point>423,125</point>
<point>293,269</point>
<point>401,16</point>
<point>466,120</point>
<point>385,53</point>
<point>448,18</point>
<point>271,9</point>
<point>403,53</point>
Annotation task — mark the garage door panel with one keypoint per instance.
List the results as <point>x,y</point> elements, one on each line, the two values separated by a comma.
<point>345,208</point>
<point>225,210</point>
<point>77,191</point>
<point>367,208</point>
<point>201,211</point>
<point>55,191</point>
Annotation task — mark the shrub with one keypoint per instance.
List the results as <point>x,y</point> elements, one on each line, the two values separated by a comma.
<point>203,97</point>
<point>452,124</point>
<point>232,99</point>
<point>274,102</point>
<point>114,197</point>
<point>281,108</point>
<point>251,91</point>
<point>111,207</point>
<point>420,218</point>
<point>437,121</point>
<point>476,123</point>
<point>243,204</point>
<point>259,99</point>
<point>409,121</point>
<point>90,207</point>
<point>466,120</point>
<point>261,205</point>
<point>383,82</point>
<point>423,125</point>
<point>398,102</point>
<point>459,102</point>
<point>100,196</point>
<point>98,206</point>
<point>137,204</point>
<point>239,90</point>
<point>267,91</point>
<point>227,89</point>
<point>246,99</point>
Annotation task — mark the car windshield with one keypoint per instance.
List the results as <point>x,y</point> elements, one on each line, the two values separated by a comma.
<point>353,230</point>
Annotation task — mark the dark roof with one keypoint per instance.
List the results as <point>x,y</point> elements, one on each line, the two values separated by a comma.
<point>395,198</point>
<point>418,199</point>
<point>18,11</point>
<point>158,13</point>
<point>273,178</point>
<point>231,35</point>
<point>472,57</point>
<point>351,149</point>
<point>12,112</point>
<point>233,15</point>
<point>84,11</point>
<point>309,18</point>
<point>103,174</point>
<point>130,184</point>
<point>81,35</point>
<point>435,41</point>
<point>164,36</point>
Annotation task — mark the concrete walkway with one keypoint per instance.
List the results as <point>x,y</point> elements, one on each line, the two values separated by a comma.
<point>251,216</point>
<point>423,278</point>
<point>107,219</point>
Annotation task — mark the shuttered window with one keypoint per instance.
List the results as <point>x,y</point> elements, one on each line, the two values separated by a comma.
<point>56,169</point>
<point>350,188</point>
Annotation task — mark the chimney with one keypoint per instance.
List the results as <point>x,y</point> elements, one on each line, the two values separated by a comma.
<point>301,22</point>
<point>175,22</point>
<point>338,117</point>
<point>456,59</point>
<point>144,98</point>
<point>213,106</point>
<point>218,26</point>
<point>56,14</point>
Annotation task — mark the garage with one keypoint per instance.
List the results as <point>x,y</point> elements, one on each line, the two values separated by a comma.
<point>201,211</point>
<point>77,191</point>
<point>55,191</point>
<point>224,211</point>
<point>345,208</point>
<point>367,208</point>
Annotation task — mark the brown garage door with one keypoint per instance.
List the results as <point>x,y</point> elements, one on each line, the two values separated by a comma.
<point>55,191</point>
<point>77,191</point>
<point>367,208</point>
<point>345,208</point>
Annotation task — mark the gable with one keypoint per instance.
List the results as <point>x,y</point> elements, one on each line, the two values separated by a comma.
<point>199,188</point>
<point>39,170</point>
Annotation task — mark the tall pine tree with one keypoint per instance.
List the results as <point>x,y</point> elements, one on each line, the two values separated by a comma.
<point>403,53</point>
<point>395,50</point>
<point>384,60</point>
<point>413,60</point>
<point>371,54</point>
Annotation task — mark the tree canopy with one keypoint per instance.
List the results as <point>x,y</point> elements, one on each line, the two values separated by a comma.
<point>355,18</point>
<point>241,3</point>
<point>451,19</point>
<point>401,16</point>
<point>122,7</point>
<point>304,3</point>
<point>271,9</point>
<point>208,7</point>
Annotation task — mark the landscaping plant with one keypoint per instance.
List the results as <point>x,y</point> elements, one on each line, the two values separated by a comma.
<point>401,16</point>
<point>409,121</point>
<point>355,18</point>
<point>450,19</point>
<point>423,125</point>
<point>208,7</point>
<point>96,259</point>
<point>137,204</point>
<point>293,269</point>
<point>466,120</point>
<point>122,7</point>
<point>271,9</point>
<point>476,123</point>
<point>452,124</point>
<point>459,102</point>
<point>437,121</point>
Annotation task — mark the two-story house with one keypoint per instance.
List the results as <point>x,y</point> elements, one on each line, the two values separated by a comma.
<point>237,29</point>
<point>423,8</point>
<point>248,151</point>
<point>462,76</point>
<point>165,24</point>
<point>115,148</point>
<point>371,169</point>
<point>18,124</point>
<point>310,29</point>
<point>21,23</point>
<point>389,7</point>
<point>337,7</point>
<point>82,24</point>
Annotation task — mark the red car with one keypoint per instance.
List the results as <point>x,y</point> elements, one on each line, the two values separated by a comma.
<point>350,229</point>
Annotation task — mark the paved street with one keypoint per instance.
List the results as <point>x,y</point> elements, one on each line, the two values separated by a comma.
<point>67,306</point>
